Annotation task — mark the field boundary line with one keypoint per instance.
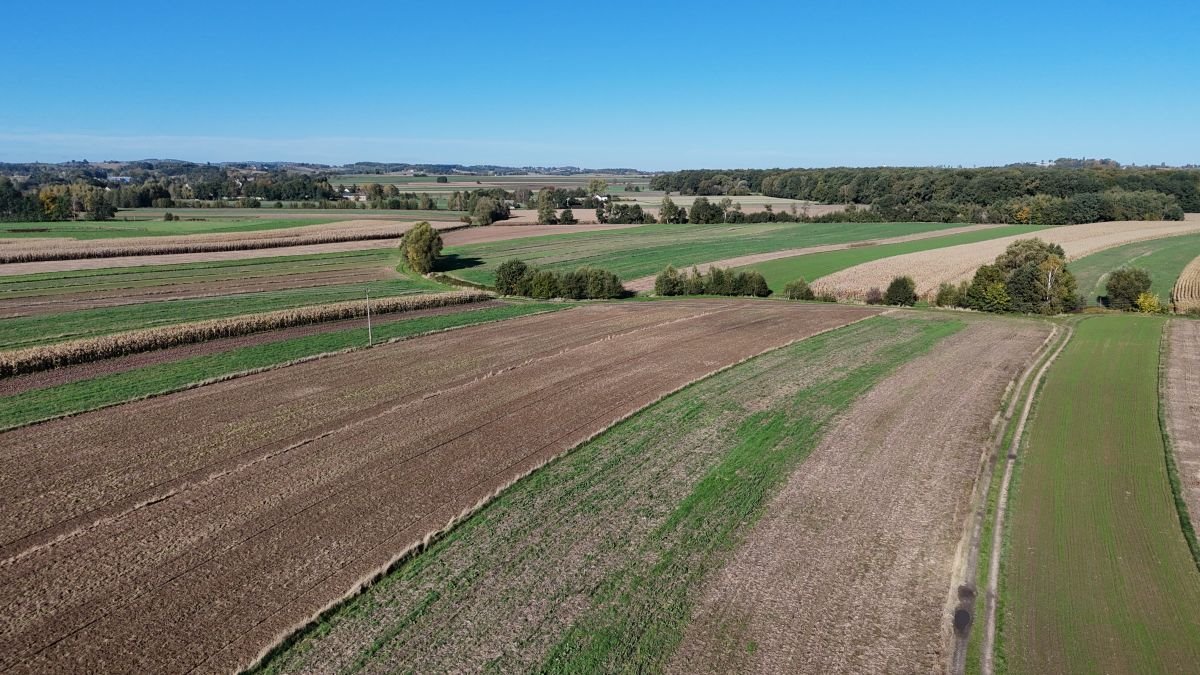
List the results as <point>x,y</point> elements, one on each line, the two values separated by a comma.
<point>290,637</point>
<point>1181,507</point>
<point>275,366</point>
<point>963,593</point>
<point>992,595</point>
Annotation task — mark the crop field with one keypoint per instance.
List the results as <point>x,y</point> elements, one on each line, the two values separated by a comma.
<point>1165,259</point>
<point>140,548</point>
<point>1098,577</point>
<point>1181,408</point>
<point>1186,293</point>
<point>954,264</point>
<point>640,251</point>
<point>269,213</point>
<point>542,579</point>
<point>780,271</point>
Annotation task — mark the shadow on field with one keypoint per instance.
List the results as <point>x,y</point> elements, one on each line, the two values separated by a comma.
<point>453,261</point>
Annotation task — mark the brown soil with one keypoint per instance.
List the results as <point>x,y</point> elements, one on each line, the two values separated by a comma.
<point>10,386</point>
<point>848,570</point>
<point>1182,402</point>
<point>233,513</point>
<point>647,283</point>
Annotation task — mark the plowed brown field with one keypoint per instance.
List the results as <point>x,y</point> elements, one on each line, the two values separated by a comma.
<point>850,568</point>
<point>235,512</point>
<point>1181,401</point>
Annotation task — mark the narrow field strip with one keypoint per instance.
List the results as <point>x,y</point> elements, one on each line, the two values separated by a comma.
<point>1097,576</point>
<point>542,575</point>
<point>148,228</point>
<point>1180,373</point>
<point>1165,259</point>
<point>167,538</point>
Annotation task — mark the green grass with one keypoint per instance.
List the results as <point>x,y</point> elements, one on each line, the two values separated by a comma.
<point>40,329</point>
<point>781,271</point>
<point>116,388</point>
<point>1163,258</point>
<point>641,251</point>
<point>148,228</point>
<point>611,543</point>
<point>1097,576</point>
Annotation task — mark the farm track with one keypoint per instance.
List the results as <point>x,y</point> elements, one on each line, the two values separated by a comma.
<point>10,386</point>
<point>848,569</point>
<point>646,283</point>
<point>453,238</point>
<point>245,507</point>
<point>1182,407</point>
<point>958,263</point>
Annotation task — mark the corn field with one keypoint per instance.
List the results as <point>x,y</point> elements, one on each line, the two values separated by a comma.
<point>1186,294</point>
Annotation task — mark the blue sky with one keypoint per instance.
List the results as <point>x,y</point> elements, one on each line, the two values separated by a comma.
<point>653,85</point>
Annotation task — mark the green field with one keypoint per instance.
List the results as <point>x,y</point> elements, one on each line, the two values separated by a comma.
<point>645,250</point>
<point>78,229</point>
<point>1163,258</point>
<point>40,404</point>
<point>1098,577</point>
<point>593,563</point>
<point>39,329</point>
<point>781,271</point>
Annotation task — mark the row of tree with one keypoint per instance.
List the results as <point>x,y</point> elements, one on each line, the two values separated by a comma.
<point>516,277</point>
<point>716,281</point>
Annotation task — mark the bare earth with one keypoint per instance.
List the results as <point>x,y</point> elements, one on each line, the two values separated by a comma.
<point>647,283</point>
<point>235,512</point>
<point>1182,402</point>
<point>849,569</point>
<point>957,263</point>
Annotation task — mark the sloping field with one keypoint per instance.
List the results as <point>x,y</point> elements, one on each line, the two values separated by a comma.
<point>58,292</point>
<point>1165,259</point>
<point>850,567</point>
<point>1181,402</point>
<point>592,564</point>
<point>1186,293</point>
<point>1098,577</point>
<point>646,283</point>
<point>148,228</point>
<point>646,250</point>
<point>235,512</point>
<point>954,264</point>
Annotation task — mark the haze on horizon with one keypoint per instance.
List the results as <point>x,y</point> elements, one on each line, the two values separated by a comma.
<point>666,86</point>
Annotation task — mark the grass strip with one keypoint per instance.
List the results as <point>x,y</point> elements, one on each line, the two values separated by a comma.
<point>106,390</point>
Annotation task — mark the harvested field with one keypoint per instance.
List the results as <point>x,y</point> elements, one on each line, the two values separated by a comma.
<point>236,511</point>
<point>646,283</point>
<point>1097,574</point>
<point>957,263</point>
<point>1181,407</point>
<point>540,580</point>
<point>848,570</point>
<point>46,357</point>
<point>1186,294</point>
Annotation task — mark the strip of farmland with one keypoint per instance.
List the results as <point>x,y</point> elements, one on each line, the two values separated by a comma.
<point>1164,259</point>
<point>1181,400</point>
<point>241,509</point>
<point>849,569</point>
<point>1186,294</point>
<point>1097,575</point>
<point>592,564</point>
<point>958,263</point>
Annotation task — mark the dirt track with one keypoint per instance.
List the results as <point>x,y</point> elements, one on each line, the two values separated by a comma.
<point>849,569</point>
<point>1182,403</point>
<point>234,512</point>
<point>647,283</point>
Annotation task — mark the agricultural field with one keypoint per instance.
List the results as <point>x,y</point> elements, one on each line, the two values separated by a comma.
<point>1185,296</point>
<point>1098,576</point>
<point>145,228</point>
<point>953,264</point>
<point>131,535</point>
<point>1181,409</point>
<point>1164,259</point>
<point>645,250</point>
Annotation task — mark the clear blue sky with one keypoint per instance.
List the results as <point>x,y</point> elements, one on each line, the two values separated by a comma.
<point>653,85</point>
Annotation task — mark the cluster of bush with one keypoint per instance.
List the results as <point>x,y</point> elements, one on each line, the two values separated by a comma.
<point>716,281</point>
<point>515,277</point>
<point>1030,277</point>
<point>800,290</point>
<point>1128,289</point>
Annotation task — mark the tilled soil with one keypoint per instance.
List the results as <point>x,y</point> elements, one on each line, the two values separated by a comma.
<point>849,569</point>
<point>1182,402</point>
<point>231,514</point>
<point>10,386</point>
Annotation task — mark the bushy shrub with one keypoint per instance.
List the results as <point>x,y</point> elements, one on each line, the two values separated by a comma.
<point>512,278</point>
<point>947,295</point>
<point>1124,286</point>
<point>874,296</point>
<point>1149,303</point>
<point>422,246</point>
<point>827,297</point>
<point>668,283</point>
<point>716,282</point>
<point>798,290</point>
<point>515,277</point>
<point>902,291</point>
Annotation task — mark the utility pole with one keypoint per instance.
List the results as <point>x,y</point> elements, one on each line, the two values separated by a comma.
<point>370,336</point>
